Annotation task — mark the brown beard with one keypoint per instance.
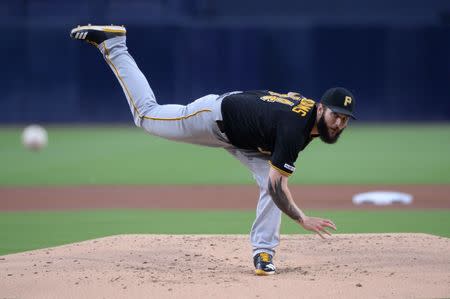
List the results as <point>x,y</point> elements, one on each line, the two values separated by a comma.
<point>324,133</point>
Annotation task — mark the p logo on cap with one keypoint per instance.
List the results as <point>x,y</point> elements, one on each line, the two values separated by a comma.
<point>347,101</point>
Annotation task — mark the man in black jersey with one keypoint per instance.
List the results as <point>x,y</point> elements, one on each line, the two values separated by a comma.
<point>264,130</point>
<point>280,126</point>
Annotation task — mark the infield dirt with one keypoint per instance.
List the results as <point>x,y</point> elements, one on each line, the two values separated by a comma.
<point>167,266</point>
<point>207,197</point>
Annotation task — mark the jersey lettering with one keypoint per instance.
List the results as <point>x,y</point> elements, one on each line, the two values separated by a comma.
<point>290,95</point>
<point>304,107</point>
<point>289,99</point>
<point>273,99</point>
<point>283,98</point>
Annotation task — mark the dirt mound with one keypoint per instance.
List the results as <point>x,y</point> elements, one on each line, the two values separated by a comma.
<point>142,266</point>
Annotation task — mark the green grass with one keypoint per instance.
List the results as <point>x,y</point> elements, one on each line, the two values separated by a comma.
<point>31,230</point>
<point>395,154</point>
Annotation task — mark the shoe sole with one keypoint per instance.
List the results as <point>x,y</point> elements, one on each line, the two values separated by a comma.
<point>113,29</point>
<point>260,272</point>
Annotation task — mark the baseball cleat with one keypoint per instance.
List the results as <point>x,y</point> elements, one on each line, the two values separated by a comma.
<point>263,264</point>
<point>97,34</point>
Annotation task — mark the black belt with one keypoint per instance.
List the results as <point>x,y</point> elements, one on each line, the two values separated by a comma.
<point>220,125</point>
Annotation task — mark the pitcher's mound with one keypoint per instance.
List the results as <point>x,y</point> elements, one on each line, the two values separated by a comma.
<point>157,266</point>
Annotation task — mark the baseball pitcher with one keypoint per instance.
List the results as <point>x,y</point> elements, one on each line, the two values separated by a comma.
<point>265,130</point>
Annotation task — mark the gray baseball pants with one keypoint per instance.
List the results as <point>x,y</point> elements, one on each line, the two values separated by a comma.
<point>194,123</point>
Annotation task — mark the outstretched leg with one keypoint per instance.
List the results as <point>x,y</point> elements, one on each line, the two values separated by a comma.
<point>193,123</point>
<point>138,92</point>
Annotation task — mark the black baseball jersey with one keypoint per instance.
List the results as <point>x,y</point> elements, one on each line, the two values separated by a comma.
<point>276,124</point>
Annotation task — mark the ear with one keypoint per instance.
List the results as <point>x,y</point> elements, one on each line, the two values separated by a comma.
<point>320,110</point>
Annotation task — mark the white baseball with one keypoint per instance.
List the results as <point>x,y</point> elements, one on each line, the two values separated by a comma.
<point>34,137</point>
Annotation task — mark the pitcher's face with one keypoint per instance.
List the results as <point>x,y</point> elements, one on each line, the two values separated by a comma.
<point>330,124</point>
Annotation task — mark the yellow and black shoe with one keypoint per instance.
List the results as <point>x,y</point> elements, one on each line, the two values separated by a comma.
<point>96,35</point>
<point>263,264</point>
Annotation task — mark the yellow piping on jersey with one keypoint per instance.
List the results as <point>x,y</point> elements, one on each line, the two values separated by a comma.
<point>280,170</point>
<point>132,100</point>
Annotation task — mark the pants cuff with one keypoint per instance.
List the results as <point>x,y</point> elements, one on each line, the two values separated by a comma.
<point>266,250</point>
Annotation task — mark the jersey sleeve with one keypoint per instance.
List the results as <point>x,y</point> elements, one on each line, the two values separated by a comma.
<point>288,143</point>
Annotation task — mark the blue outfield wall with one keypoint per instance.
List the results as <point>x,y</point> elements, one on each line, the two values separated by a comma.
<point>397,72</point>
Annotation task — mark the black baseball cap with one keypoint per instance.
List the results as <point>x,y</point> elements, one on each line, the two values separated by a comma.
<point>339,100</point>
